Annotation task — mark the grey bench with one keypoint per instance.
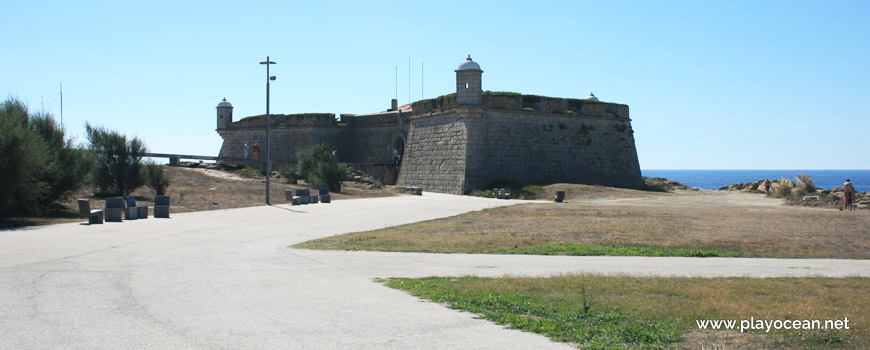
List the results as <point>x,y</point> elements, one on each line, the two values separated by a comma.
<point>114,209</point>
<point>130,210</point>
<point>560,196</point>
<point>161,207</point>
<point>95,216</point>
<point>304,195</point>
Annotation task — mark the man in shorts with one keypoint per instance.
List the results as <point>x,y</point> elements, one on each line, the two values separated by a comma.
<point>849,195</point>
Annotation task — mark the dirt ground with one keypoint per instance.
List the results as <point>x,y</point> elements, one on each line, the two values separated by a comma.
<point>729,222</point>
<point>200,189</point>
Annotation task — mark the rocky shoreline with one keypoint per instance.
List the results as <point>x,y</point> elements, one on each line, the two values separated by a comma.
<point>820,197</point>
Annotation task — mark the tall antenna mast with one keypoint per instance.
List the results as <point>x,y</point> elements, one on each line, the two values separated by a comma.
<point>421,81</point>
<point>397,83</point>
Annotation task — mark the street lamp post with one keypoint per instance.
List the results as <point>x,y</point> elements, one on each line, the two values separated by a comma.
<point>268,124</point>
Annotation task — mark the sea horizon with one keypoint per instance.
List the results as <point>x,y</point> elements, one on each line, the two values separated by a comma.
<point>716,178</point>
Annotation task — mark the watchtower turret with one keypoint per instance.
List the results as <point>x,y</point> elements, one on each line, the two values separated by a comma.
<point>224,114</point>
<point>468,84</point>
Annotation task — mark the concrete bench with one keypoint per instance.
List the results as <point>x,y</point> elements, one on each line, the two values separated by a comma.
<point>161,207</point>
<point>95,216</point>
<point>296,200</point>
<point>560,196</point>
<point>114,209</point>
<point>130,210</point>
<point>288,195</point>
<point>324,195</point>
<point>304,194</point>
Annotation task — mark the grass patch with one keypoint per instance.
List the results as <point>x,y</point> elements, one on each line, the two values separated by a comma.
<point>576,228</point>
<point>586,249</point>
<point>660,184</point>
<point>246,169</point>
<point>614,312</point>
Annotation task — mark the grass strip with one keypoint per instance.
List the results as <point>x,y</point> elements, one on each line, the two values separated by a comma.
<point>585,249</point>
<point>616,312</point>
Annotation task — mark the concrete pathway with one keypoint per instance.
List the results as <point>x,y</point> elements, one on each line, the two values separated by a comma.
<point>226,280</point>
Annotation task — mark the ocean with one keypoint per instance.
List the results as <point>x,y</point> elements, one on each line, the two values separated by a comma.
<point>713,179</point>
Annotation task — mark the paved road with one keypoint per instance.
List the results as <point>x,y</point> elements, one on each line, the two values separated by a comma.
<point>226,280</point>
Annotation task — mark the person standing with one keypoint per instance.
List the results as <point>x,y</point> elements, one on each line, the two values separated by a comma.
<point>256,150</point>
<point>767,185</point>
<point>247,149</point>
<point>849,195</point>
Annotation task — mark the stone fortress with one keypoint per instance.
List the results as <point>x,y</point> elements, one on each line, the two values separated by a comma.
<point>461,142</point>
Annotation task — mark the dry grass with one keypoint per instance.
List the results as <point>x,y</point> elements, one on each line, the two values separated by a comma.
<point>691,220</point>
<point>199,190</point>
<point>666,302</point>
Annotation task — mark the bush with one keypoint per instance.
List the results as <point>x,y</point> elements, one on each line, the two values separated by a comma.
<point>118,170</point>
<point>157,178</point>
<point>38,165</point>
<point>319,168</point>
<point>784,188</point>
<point>531,192</point>
<point>289,174</point>
<point>806,182</point>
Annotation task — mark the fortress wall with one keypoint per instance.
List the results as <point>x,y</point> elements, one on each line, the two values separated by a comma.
<point>543,104</point>
<point>376,119</point>
<point>374,136</point>
<point>286,141</point>
<point>373,144</point>
<point>303,119</point>
<point>539,148</point>
<point>435,155</point>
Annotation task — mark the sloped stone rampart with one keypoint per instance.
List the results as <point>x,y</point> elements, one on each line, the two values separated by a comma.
<point>435,156</point>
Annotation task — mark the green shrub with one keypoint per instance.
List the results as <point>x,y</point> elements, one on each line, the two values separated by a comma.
<point>531,192</point>
<point>38,165</point>
<point>157,178</point>
<point>784,188</point>
<point>319,168</point>
<point>289,174</point>
<point>118,171</point>
<point>502,93</point>
<point>245,169</point>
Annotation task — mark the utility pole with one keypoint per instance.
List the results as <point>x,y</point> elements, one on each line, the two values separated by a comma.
<point>268,125</point>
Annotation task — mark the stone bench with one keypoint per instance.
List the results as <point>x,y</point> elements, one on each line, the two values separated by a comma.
<point>161,207</point>
<point>560,196</point>
<point>324,195</point>
<point>114,209</point>
<point>304,195</point>
<point>95,216</point>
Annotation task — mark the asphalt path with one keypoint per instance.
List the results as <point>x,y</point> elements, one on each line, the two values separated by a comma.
<point>227,280</point>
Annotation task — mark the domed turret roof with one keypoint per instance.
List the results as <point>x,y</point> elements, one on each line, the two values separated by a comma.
<point>468,64</point>
<point>225,103</point>
<point>591,97</point>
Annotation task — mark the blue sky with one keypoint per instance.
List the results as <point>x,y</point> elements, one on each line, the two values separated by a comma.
<point>711,85</point>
